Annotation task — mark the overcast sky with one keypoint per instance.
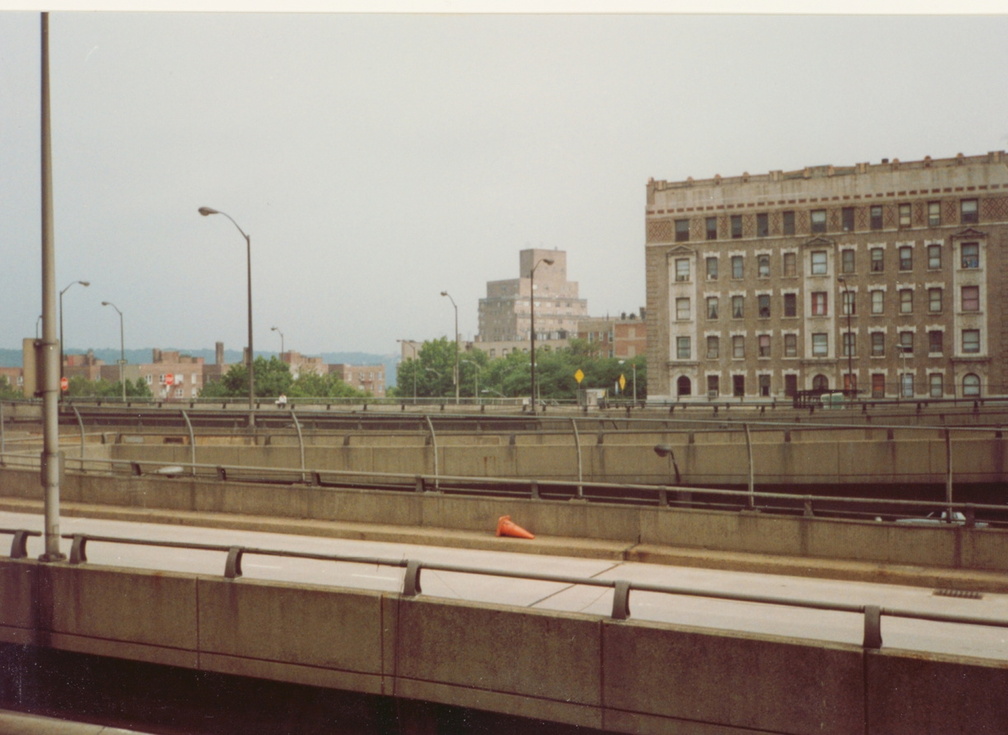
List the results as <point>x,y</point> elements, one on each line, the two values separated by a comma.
<point>379,159</point>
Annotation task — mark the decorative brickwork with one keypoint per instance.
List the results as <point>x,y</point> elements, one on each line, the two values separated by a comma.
<point>659,231</point>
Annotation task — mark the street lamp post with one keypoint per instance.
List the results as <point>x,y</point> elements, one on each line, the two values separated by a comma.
<point>277,330</point>
<point>532,333</point>
<point>206,211</point>
<point>122,349</point>
<point>633,366</point>
<point>475,378</point>
<point>455,377</point>
<point>83,283</point>
<point>849,342</point>
<point>412,345</point>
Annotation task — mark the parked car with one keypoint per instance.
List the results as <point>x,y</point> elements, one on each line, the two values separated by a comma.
<point>939,519</point>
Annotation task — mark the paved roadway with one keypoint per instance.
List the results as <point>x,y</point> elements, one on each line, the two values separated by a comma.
<point>968,640</point>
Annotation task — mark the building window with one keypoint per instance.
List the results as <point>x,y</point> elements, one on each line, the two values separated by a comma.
<point>762,224</point>
<point>877,302</point>
<point>971,341</point>
<point>681,230</point>
<point>790,264</point>
<point>712,269</point>
<point>682,309</point>
<point>820,303</point>
<point>790,385</point>
<point>819,263</point>
<point>736,226</point>
<point>877,260</point>
<point>820,345</point>
<point>904,216</point>
<point>763,306</point>
<point>682,269</point>
<point>847,219</point>
<point>713,348</point>
<point>713,386</point>
<point>875,217</point>
<point>790,345</point>
<point>849,344</point>
<point>737,266</point>
<point>764,345</point>
<point>790,304</point>
<point>711,228</point>
<point>682,348</point>
<point>789,226</point>
<point>971,385</point>
<point>818,220</point>
<point>969,213</point>
<point>849,302</point>
<point>906,301</point>
<point>934,257</point>
<point>908,386</point>
<point>738,346</point>
<point>970,255</point>
<point>763,266</point>
<point>847,261</point>
<point>935,342</point>
<point>934,214</point>
<point>906,258</point>
<point>878,344</point>
<point>764,385</point>
<point>736,307</point>
<point>906,346</point>
<point>738,385</point>
<point>934,300</point>
<point>971,298</point>
<point>712,308</point>
<point>878,385</point>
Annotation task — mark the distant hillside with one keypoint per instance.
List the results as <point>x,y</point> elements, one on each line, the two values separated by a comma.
<point>12,358</point>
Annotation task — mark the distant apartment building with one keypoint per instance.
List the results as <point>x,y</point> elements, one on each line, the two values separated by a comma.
<point>887,278</point>
<point>298,364</point>
<point>367,378</point>
<point>624,336</point>
<point>505,314</point>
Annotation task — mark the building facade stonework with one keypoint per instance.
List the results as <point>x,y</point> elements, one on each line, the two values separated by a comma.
<point>887,278</point>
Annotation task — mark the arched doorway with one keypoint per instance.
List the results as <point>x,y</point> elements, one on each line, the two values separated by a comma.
<point>684,386</point>
<point>971,385</point>
<point>820,382</point>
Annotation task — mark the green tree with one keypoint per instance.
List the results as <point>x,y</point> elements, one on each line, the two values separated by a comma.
<point>8,391</point>
<point>432,370</point>
<point>272,377</point>
<point>312,385</point>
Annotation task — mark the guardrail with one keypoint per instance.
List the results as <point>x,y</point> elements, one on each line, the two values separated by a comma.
<point>411,587</point>
<point>663,496</point>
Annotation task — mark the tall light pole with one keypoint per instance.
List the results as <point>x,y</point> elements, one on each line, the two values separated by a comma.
<point>532,332</point>
<point>122,349</point>
<point>412,345</point>
<point>83,283</point>
<point>455,377</point>
<point>849,342</point>
<point>48,350</point>
<point>206,211</point>
<point>633,365</point>
<point>475,377</point>
<point>277,330</point>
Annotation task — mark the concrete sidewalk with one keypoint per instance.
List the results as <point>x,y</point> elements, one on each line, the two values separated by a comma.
<point>939,578</point>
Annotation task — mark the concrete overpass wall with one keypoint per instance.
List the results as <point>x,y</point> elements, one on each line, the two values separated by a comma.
<point>712,459</point>
<point>638,527</point>
<point>620,676</point>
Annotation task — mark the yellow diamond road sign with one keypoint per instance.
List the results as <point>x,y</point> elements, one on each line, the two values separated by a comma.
<point>579,376</point>
<point>622,382</point>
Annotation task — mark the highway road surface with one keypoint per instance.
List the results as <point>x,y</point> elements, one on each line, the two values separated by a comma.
<point>980,641</point>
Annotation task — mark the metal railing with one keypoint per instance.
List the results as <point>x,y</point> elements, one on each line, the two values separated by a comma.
<point>411,586</point>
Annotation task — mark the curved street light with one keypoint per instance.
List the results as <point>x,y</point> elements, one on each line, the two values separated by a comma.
<point>122,349</point>
<point>85,284</point>
<point>277,330</point>
<point>455,375</point>
<point>206,211</point>
<point>547,261</point>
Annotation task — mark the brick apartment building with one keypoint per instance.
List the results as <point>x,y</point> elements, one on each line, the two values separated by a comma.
<point>886,278</point>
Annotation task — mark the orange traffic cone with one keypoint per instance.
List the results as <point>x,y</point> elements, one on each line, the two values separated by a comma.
<point>505,527</point>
